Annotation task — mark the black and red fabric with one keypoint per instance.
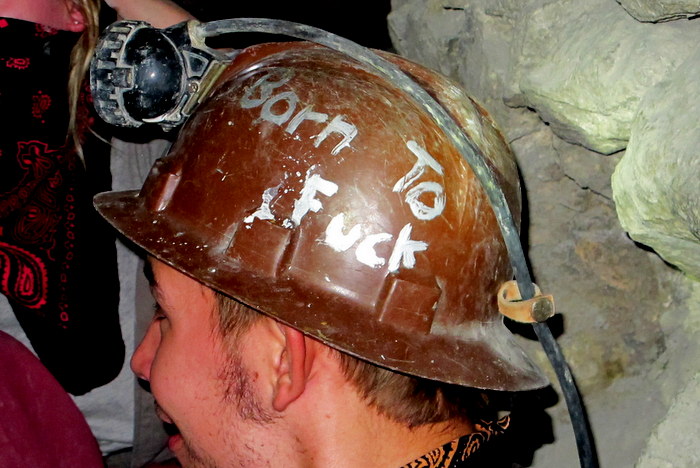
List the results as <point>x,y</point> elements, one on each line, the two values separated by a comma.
<point>57,260</point>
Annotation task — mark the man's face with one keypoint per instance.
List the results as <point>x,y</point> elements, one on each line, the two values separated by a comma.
<point>199,383</point>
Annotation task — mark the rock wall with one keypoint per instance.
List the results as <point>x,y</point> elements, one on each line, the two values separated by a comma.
<point>585,90</point>
<point>661,10</point>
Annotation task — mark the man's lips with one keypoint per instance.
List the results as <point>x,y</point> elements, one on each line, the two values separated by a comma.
<point>175,439</point>
<point>170,426</point>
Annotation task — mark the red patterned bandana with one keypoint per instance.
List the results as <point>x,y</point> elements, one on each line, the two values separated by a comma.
<point>57,264</point>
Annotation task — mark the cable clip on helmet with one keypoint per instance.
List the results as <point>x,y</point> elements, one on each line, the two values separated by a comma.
<point>140,74</point>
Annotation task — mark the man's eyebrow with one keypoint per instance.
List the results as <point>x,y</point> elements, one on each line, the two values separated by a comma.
<point>148,273</point>
<point>151,277</point>
<point>156,291</point>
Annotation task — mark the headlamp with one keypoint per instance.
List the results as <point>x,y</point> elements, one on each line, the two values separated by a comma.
<point>142,74</point>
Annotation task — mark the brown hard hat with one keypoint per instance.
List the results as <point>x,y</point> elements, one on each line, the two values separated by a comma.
<point>315,191</point>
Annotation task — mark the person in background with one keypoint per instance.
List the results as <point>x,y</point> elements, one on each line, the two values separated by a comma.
<point>50,241</point>
<point>58,263</point>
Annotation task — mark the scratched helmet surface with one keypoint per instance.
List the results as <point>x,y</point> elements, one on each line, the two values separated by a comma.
<point>320,194</point>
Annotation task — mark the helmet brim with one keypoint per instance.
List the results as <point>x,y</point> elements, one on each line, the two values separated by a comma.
<point>486,356</point>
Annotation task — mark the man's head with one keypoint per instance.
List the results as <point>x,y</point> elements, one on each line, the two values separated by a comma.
<point>226,375</point>
<point>342,232</point>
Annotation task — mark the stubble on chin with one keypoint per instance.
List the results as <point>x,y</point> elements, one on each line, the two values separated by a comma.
<point>191,458</point>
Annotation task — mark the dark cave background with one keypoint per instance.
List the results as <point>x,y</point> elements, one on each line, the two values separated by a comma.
<point>362,22</point>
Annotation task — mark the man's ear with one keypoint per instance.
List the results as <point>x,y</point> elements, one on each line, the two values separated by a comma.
<point>292,369</point>
<point>77,18</point>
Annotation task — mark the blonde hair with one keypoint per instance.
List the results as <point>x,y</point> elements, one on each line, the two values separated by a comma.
<point>80,62</point>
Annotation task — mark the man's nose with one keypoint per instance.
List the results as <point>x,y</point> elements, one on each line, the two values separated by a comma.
<point>143,355</point>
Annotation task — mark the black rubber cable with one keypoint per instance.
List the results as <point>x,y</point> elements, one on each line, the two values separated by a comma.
<point>472,154</point>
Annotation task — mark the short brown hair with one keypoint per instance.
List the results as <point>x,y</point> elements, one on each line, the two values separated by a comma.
<point>234,317</point>
<point>412,400</point>
<point>403,398</point>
